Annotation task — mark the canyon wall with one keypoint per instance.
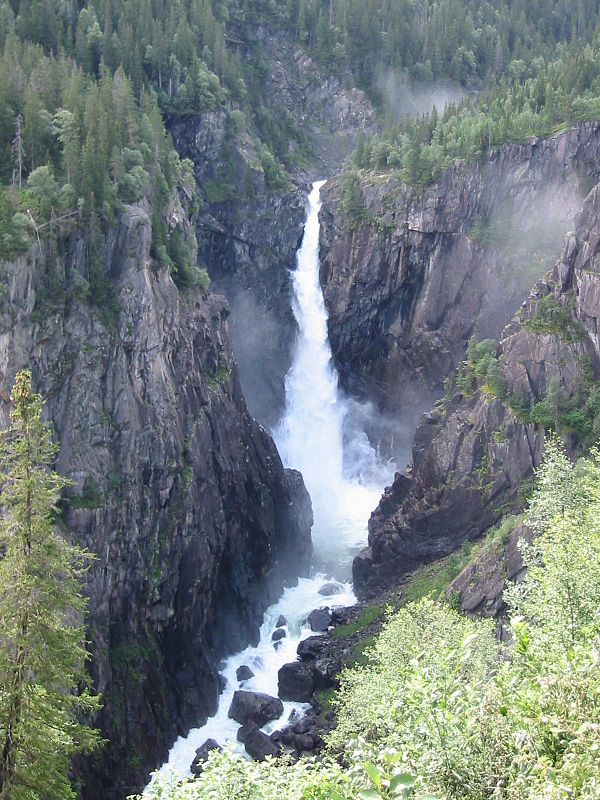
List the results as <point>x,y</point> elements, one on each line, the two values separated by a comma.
<point>178,493</point>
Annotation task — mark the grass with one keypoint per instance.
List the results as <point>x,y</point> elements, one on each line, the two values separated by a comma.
<point>362,620</point>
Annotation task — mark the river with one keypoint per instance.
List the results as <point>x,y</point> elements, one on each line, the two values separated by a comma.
<point>319,435</point>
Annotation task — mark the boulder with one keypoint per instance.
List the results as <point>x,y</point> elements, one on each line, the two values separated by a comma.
<point>312,647</point>
<point>329,589</point>
<point>278,634</point>
<point>201,756</point>
<point>254,706</point>
<point>281,621</point>
<point>244,673</point>
<point>319,619</point>
<point>296,682</point>
<point>257,744</point>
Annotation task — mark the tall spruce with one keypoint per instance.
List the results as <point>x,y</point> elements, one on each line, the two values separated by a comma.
<point>44,688</point>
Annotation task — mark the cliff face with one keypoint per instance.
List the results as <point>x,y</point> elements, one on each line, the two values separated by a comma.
<point>179,493</point>
<point>406,290</point>
<point>473,455</point>
<point>250,225</point>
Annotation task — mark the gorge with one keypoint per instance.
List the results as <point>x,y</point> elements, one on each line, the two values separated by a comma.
<point>276,396</point>
<point>345,478</point>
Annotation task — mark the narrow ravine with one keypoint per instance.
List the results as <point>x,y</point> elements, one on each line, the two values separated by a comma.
<point>345,478</point>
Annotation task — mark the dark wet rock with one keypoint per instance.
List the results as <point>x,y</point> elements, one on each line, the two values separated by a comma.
<point>342,615</point>
<point>325,671</point>
<point>281,621</point>
<point>329,589</point>
<point>258,745</point>
<point>222,683</point>
<point>310,648</point>
<point>278,634</point>
<point>254,707</point>
<point>201,756</point>
<point>295,682</point>
<point>319,619</point>
<point>304,733</point>
<point>244,673</point>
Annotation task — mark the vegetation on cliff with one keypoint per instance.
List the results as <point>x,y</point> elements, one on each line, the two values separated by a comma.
<point>442,709</point>
<point>44,687</point>
<point>559,93</point>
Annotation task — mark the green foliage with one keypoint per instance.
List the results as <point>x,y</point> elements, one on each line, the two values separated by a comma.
<point>483,368</point>
<point>441,709</point>
<point>351,200</point>
<point>275,176</point>
<point>363,619</point>
<point>555,95</point>
<point>552,317</point>
<point>44,688</point>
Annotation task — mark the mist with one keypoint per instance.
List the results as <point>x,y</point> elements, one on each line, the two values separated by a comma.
<point>407,97</point>
<point>524,232</point>
<point>262,344</point>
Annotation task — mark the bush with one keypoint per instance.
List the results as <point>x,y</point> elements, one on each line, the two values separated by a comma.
<point>439,705</point>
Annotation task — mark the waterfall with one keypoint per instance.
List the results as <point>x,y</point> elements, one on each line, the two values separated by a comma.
<point>340,468</point>
<point>320,436</point>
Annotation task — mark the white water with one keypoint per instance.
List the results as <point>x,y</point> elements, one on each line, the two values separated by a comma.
<point>344,478</point>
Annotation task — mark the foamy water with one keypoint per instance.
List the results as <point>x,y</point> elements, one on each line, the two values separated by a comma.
<point>345,480</point>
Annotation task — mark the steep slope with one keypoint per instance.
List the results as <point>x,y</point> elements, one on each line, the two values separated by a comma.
<point>474,453</point>
<point>421,270</point>
<point>178,493</point>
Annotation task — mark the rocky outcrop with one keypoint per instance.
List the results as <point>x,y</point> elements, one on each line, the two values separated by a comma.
<point>178,493</point>
<point>479,589</point>
<point>471,454</point>
<point>249,226</point>
<point>254,707</point>
<point>407,288</point>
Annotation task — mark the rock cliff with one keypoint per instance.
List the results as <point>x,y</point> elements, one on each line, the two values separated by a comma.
<point>474,453</point>
<point>179,493</point>
<point>430,267</point>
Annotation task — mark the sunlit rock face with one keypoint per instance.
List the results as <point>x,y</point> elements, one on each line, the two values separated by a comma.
<point>179,494</point>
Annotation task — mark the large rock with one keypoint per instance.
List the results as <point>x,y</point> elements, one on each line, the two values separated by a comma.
<point>257,744</point>
<point>201,756</point>
<point>254,707</point>
<point>319,619</point>
<point>295,682</point>
<point>244,673</point>
<point>311,647</point>
<point>330,589</point>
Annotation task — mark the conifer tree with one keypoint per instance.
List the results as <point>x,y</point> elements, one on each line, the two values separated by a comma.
<point>44,688</point>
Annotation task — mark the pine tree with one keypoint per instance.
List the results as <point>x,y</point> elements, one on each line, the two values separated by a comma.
<point>44,688</point>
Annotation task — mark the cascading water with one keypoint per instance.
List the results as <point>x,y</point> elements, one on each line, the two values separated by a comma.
<point>344,482</point>
<point>344,477</point>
